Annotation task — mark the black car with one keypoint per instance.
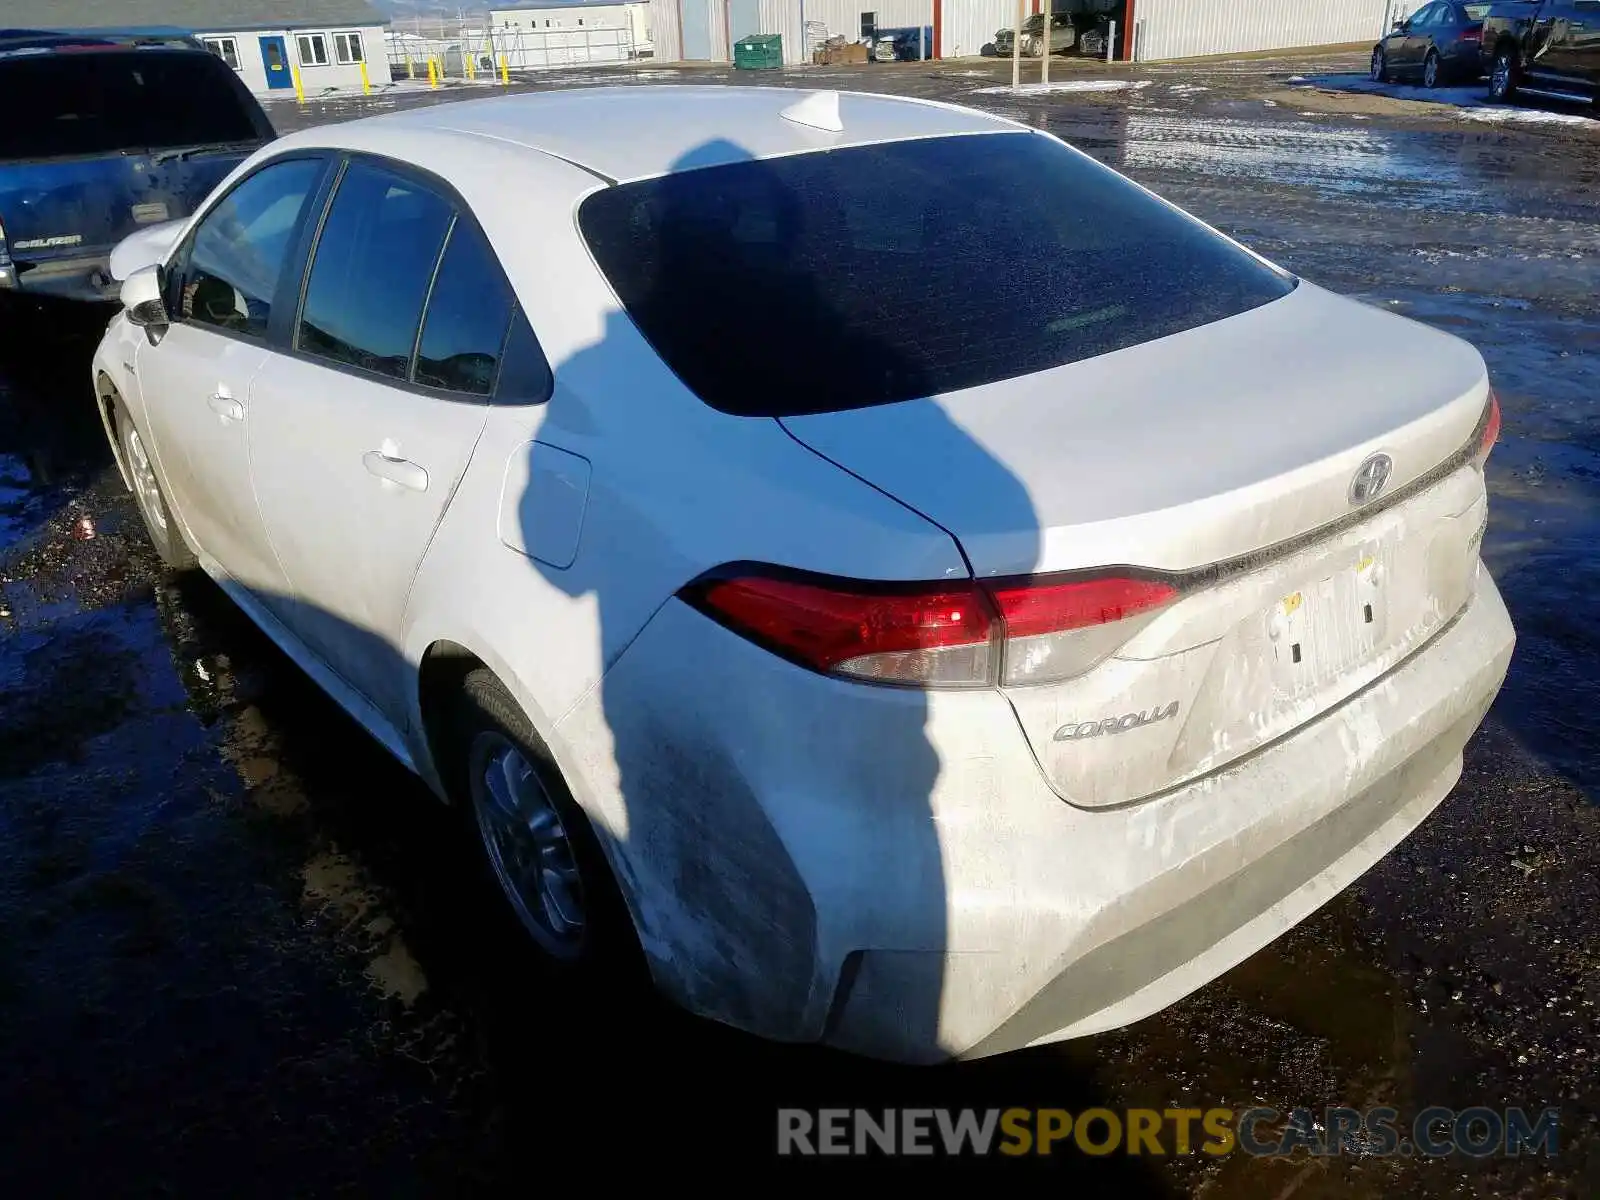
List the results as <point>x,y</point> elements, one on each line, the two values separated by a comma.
<point>1439,43</point>
<point>108,132</point>
<point>1549,48</point>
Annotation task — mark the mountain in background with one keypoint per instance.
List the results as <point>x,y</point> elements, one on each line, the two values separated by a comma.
<point>425,8</point>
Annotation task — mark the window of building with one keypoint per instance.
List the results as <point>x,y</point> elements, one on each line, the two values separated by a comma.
<point>313,49</point>
<point>347,48</point>
<point>226,49</point>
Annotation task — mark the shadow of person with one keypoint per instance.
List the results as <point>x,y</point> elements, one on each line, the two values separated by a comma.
<point>787,867</point>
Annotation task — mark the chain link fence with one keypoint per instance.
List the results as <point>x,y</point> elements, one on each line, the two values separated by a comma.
<point>470,47</point>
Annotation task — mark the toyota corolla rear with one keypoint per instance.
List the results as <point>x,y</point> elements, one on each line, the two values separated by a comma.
<point>1217,636</point>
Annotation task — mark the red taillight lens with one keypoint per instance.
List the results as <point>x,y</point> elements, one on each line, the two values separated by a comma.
<point>939,635</point>
<point>1472,35</point>
<point>1015,631</point>
<point>1032,606</point>
<point>1491,431</point>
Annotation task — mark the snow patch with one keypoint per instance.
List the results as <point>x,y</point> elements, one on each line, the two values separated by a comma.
<point>1531,116</point>
<point>1066,85</point>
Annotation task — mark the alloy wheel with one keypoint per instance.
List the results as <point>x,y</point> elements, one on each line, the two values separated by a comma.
<point>528,846</point>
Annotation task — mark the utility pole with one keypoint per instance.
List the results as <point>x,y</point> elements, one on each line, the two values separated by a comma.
<point>1046,34</point>
<point>1016,48</point>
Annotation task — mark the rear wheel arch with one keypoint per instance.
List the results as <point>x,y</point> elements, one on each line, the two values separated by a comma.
<point>441,675</point>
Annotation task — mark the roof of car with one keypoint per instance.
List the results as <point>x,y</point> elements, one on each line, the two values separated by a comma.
<point>636,132</point>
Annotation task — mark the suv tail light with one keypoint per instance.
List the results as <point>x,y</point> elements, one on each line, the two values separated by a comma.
<point>1473,33</point>
<point>1489,431</point>
<point>1032,629</point>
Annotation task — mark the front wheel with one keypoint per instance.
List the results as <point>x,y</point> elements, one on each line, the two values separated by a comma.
<point>1430,70</point>
<point>1030,48</point>
<point>1503,77</point>
<point>1379,71</point>
<point>159,523</point>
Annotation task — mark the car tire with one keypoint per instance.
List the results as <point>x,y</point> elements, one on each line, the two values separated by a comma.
<point>1379,71</point>
<point>159,523</point>
<point>1503,76</point>
<point>543,860</point>
<point>1030,47</point>
<point>1430,70</point>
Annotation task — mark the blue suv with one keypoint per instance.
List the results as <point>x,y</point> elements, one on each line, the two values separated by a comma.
<point>123,130</point>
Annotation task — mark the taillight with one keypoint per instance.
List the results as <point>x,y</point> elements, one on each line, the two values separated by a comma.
<point>1034,629</point>
<point>1490,433</point>
<point>1472,35</point>
<point>1055,629</point>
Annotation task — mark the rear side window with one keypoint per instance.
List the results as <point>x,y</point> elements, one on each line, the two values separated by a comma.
<point>830,281</point>
<point>467,317</point>
<point>374,262</point>
<point>237,254</point>
<point>84,103</point>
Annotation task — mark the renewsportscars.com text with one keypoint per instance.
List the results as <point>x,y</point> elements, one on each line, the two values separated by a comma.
<point>1262,1132</point>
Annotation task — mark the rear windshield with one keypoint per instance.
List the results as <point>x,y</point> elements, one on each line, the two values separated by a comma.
<point>831,281</point>
<point>99,102</point>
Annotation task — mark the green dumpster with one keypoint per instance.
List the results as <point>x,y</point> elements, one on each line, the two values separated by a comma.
<point>758,52</point>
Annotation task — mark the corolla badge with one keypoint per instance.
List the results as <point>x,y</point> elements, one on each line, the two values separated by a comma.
<point>1078,730</point>
<point>1371,478</point>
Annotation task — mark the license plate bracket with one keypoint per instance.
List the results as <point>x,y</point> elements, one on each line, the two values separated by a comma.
<point>1322,630</point>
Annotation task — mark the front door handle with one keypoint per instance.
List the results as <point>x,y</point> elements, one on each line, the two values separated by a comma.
<point>397,470</point>
<point>226,406</point>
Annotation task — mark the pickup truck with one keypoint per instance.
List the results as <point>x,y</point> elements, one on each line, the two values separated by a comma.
<point>107,133</point>
<point>1543,48</point>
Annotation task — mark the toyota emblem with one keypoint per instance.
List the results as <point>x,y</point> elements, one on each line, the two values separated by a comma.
<point>1371,478</point>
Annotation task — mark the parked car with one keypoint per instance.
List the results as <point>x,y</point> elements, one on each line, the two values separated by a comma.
<point>1063,35</point>
<point>979,650</point>
<point>123,130</point>
<point>1439,43</point>
<point>1543,48</point>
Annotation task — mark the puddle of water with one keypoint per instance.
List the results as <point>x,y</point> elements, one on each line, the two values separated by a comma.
<point>1344,162</point>
<point>1066,85</point>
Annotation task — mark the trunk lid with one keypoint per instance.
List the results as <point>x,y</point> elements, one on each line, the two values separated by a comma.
<point>1225,453</point>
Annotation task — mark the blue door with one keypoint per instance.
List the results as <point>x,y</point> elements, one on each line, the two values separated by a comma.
<point>275,57</point>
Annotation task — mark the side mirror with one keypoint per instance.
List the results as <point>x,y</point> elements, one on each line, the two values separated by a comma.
<point>1400,26</point>
<point>142,300</point>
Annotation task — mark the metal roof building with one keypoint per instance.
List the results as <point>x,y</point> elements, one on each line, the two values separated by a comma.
<point>326,42</point>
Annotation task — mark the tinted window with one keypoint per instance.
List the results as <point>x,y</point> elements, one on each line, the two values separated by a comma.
<point>374,260</point>
<point>238,251</point>
<point>96,103</point>
<point>467,316</point>
<point>524,372</point>
<point>821,282</point>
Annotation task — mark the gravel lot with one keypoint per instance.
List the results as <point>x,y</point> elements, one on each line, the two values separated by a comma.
<point>238,954</point>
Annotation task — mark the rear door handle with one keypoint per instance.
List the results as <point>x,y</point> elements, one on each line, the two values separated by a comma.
<point>226,406</point>
<point>397,470</point>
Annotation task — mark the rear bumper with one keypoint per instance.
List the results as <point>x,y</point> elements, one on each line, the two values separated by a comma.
<point>82,278</point>
<point>887,871</point>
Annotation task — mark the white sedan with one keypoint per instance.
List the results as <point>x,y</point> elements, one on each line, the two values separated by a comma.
<point>895,579</point>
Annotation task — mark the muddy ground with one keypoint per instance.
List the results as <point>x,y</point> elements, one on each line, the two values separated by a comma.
<point>240,954</point>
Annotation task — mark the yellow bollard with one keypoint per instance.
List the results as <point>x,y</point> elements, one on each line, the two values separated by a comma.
<point>505,74</point>
<point>366,84</point>
<point>299,92</point>
<point>472,65</point>
<point>411,68</point>
<point>433,78</point>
